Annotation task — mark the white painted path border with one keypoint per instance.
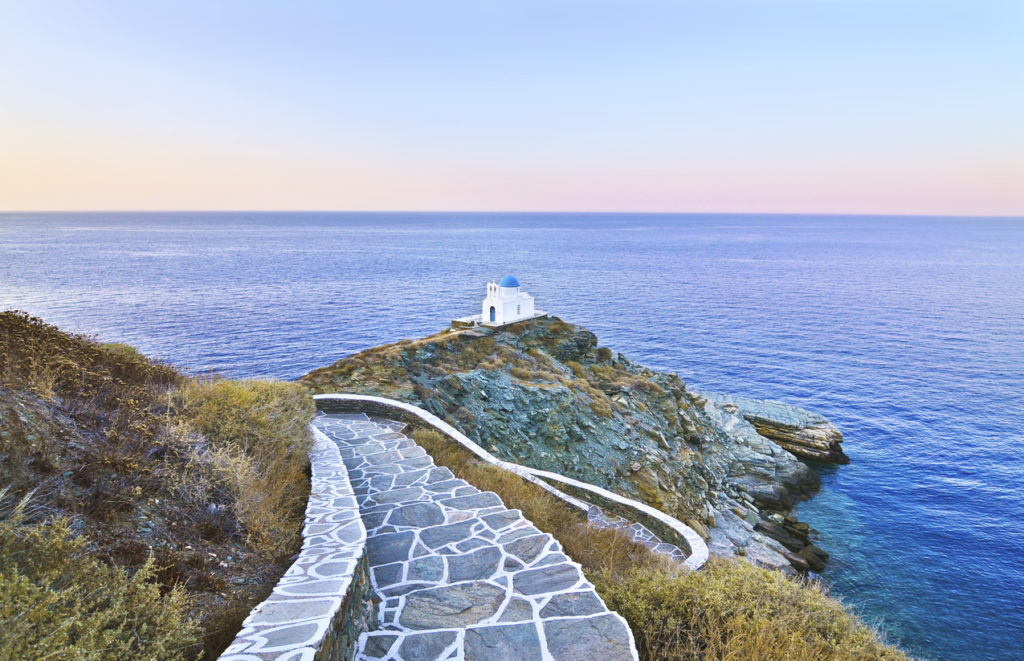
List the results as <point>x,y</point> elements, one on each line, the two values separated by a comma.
<point>293,623</point>
<point>698,549</point>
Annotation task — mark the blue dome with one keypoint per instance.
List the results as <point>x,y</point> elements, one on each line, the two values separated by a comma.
<point>509,281</point>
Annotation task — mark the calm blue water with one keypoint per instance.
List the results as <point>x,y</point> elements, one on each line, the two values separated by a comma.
<point>907,333</point>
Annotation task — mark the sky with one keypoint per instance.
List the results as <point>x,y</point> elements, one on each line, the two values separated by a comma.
<point>759,106</point>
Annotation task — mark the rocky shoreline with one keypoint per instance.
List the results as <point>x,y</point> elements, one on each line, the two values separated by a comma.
<point>804,433</point>
<point>543,393</point>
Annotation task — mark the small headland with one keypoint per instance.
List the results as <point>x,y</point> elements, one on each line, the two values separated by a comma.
<point>543,394</point>
<point>143,512</point>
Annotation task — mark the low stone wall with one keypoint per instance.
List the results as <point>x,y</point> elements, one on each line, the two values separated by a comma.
<point>322,604</point>
<point>382,406</point>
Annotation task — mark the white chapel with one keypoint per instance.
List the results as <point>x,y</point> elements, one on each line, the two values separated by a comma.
<point>505,303</point>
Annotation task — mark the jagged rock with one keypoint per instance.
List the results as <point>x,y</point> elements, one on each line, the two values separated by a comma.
<point>698,527</point>
<point>797,562</point>
<point>814,556</point>
<point>805,434</point>
<point>527,548</point>
<point>417,514</point>
<point>502,643</point>
<point>480,564</point>
<point>384,549</point>
<point>572,603</point>
<point>518,610</point>
<point>546,579</point>
<point>378,644</point>
<point>781,535</point>
<point>764,556</point>
<point>427,645</point>
<point>440,535</point>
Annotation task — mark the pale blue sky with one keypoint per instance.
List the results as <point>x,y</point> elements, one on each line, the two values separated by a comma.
<point>841,106</point>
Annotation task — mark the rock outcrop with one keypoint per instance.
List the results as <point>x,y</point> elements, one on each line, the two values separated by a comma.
<point>542,393</point>
<point>807,435</point>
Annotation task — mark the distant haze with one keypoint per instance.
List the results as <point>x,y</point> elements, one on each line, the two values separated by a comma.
<point>841,106</point>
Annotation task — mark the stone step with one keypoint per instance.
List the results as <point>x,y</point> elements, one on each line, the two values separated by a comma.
<point>459,575</point>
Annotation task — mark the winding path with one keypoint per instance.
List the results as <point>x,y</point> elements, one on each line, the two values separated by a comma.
<point>698,549</point>
<point>458,575</point>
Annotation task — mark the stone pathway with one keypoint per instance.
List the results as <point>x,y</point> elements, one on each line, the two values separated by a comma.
<point>637,532</point>
<point>458,575</point>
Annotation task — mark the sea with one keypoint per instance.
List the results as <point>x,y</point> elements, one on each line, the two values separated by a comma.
<point>906,332</point>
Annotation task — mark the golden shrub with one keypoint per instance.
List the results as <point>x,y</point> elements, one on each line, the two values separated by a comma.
<point>599,406</point>
<point>733,610</point>
<point>577,369</point>
<point>523,374</point>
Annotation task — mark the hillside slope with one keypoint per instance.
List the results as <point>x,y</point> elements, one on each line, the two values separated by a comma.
<point>127,468</point>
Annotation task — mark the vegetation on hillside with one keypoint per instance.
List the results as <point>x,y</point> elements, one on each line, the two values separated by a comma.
<point>728,611</point>
<point>57,599</point>
<point>143,513</point>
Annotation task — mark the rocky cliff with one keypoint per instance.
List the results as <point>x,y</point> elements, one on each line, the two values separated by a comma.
<point>542,393</point>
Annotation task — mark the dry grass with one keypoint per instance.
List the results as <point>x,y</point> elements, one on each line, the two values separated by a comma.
<point>257,463</point>
<point>577,369</point>
<point>730,611</point>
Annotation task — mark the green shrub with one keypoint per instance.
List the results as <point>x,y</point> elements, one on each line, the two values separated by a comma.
<point>56,601</point>
<point>124,352</point>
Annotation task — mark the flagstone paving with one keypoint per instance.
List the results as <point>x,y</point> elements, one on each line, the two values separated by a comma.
<point>637,532</point>
<point>459,575</point>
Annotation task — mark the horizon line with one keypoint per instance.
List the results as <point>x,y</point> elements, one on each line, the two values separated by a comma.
<point>1019,216</point>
